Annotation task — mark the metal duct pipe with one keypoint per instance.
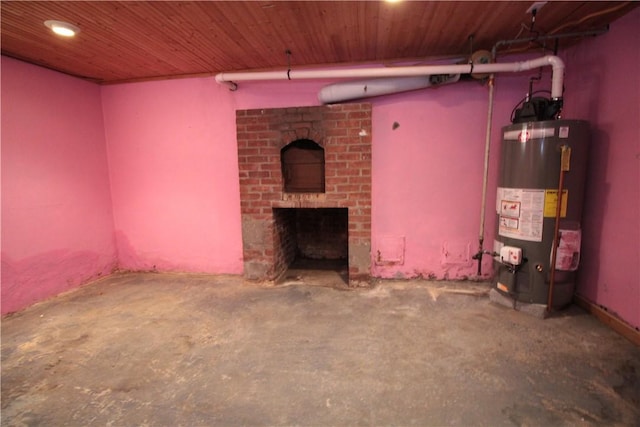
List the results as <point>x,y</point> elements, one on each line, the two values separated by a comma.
<point>556,63</point>
<point>346,91</point>
<point>548,37</point>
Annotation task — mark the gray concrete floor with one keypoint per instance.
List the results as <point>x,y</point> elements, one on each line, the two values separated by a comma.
<point>170,350</point>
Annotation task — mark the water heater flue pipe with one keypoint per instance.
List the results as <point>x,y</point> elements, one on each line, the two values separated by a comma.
<point>231,79</point>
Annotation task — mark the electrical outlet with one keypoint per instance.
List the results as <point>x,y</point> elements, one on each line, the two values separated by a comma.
<point>536,6</point>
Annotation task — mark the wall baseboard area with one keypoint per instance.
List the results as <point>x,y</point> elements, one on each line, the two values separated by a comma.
<point>609,319</point>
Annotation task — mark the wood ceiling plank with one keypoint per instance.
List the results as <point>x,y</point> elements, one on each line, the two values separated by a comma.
<point>138,39</point>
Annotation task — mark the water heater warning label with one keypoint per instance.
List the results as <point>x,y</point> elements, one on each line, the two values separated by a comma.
<point>521,213</point>
<point>551,203</point>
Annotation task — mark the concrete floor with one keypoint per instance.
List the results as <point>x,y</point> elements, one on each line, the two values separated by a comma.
<point>171,350</point>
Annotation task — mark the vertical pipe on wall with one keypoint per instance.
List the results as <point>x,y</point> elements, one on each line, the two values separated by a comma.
<point>485,176</point>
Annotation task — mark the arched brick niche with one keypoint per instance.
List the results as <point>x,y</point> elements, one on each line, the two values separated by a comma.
<point>302,164</point>
<point>343,132</point>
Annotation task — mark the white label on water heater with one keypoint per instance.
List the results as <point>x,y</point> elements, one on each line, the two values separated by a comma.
<point>563,132</point>
<point>525,134</point>
<point>520,213</point>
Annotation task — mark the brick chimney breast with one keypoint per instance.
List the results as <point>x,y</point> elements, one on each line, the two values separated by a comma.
<point>274,147</point>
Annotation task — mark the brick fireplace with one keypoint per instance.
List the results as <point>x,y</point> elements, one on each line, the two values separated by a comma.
<point>278,224</point>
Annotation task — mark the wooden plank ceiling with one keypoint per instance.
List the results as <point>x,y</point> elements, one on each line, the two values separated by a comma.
<point>126,41</point>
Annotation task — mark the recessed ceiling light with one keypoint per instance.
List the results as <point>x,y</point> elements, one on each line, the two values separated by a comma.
<point>62,28</point>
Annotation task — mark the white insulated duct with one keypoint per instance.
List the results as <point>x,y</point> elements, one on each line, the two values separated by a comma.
<point>230,79</point>
<point>346,91</point>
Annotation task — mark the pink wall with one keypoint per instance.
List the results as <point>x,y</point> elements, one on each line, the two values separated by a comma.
<point>604,88</point>
<point>57,228</point>
<point>174,175</point>
<point>427,177</point>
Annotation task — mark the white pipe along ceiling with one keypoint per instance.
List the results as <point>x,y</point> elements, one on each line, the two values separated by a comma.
<point>331,93</point>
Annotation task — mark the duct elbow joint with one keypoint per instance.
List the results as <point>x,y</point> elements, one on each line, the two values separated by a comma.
<point>556,63</point>
<point>220,79</point>
<point>557,80</point>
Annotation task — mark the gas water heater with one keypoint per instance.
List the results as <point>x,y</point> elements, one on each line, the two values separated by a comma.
<point>537,158</point>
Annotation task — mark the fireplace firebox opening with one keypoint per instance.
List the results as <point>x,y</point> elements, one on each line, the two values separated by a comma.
<point>309,240</point>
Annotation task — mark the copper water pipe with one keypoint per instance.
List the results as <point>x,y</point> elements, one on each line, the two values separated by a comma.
<point>565,157</point>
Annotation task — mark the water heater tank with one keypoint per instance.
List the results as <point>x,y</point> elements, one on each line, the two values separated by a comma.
<point>526,203</point>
